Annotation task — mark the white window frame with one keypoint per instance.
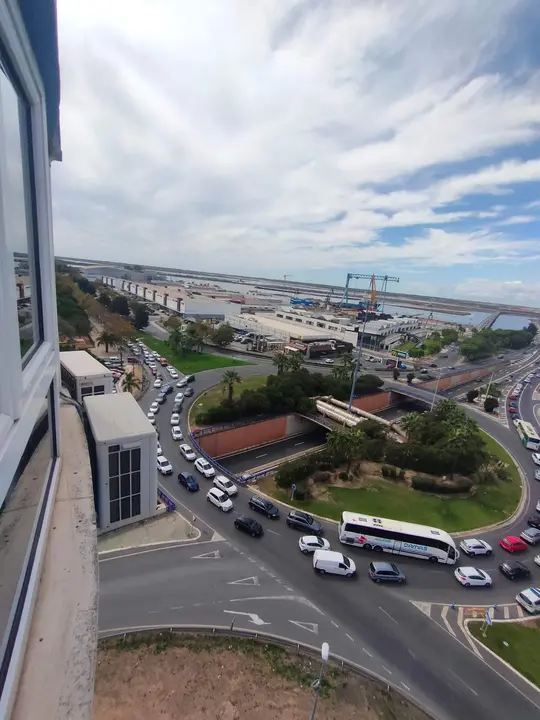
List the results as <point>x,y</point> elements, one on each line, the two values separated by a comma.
<point>20,385</point>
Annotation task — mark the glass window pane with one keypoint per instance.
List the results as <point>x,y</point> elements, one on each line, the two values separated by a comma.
<point>136,482</point>
<point>113,465</point>
<point>19,509</point>
<point>125,486</point>
<point>114,489</point>
<point>115,511</point>
<point>125,508</point>
<point>114,448</point>
<point>18,204</point>
<point>99,389</point>
<point>136,459</point>
<point>135,505</point>
<point>124,461</point>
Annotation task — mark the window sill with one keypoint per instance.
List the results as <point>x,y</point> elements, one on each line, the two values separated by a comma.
<point>64,623</point>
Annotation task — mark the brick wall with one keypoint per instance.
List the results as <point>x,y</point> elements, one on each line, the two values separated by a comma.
<point>234,440</point>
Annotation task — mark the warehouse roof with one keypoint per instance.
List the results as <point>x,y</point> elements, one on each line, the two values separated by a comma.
<point>116,416</point>
<point>82,364</point>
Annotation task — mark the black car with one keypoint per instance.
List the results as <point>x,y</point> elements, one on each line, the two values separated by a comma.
<point>189,378</point>
<point>514,570</point>
<point>188,481</point>
<point>249,526</point>
<point>264,506</point>
<point>188,392</point>
<point>385,572</point>
<point>432,364</point>
<point>166,389</point>
<point>302,521</point>
<point>534,521</point>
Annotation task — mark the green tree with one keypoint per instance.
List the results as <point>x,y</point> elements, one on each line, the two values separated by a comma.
<point>108,339</point>
<point>280,359</point>
<point>346,445</point>
<point>343,372</point>
<point>229,379</point>
<point>105,299</point>
<point>172,322</point>
<point>199,332</point>
<point>295,361</point>
<point>141,318</point>
<point>410,377</point>
<point>120,305</point>
<point>490,403</point>
<point>130,382</point>
<point>223,335</point>
<point>472,395</point>
<point>396,374</point>
<point>413,423</point>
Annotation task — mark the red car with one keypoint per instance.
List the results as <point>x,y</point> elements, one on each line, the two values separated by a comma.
<point>512,410</point>
<point>512,544</point>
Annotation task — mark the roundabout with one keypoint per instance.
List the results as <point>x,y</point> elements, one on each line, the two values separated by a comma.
<point>411,634</point>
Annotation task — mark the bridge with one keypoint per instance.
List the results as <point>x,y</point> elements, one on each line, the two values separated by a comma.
<point>489,321</point>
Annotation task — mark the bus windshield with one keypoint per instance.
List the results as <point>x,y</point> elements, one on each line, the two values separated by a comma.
<point>398,538</point>
<point>529,436</point>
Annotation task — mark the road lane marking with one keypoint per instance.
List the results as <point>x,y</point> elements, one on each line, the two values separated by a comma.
<point>297,444</point>
<point>253,580</point>
<point>466,634</point>
<point>424,607</point>
<point>367,652</point>
<point>386,669</point>
<point>444,613</point>
<point>260,456</point>
<point>519,611</point>
<point>144,549</point>
<point>350,637</point>
<point>309,626</point>
<point>506,612</point>
<point>334,624</point>
<point>273,532</point>
<point>463,682</point>
<point>177,607</point>
<point>406,686</point>
<point>212,555</point>
<point>253,617</point>
<point>387,613</point>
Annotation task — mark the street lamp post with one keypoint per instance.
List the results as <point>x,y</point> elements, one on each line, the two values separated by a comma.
<point>325,652</point>
<point>358,360</point>
<point>435,391</point>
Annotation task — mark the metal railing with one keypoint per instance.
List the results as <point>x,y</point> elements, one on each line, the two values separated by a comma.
<point>168,502</point>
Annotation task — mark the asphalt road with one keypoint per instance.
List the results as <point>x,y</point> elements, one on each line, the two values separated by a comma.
<point>381,620</point>
<point>263,455</point>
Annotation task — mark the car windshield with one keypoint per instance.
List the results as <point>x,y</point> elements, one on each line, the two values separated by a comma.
<point>346,562</point>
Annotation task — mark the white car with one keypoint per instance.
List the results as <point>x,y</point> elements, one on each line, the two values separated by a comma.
<point>164,466</point>
<point>174,375</point>
<point>170,369</point>
<point>182,382</point>
<point>204,467</point>
<point>530,600</point>
<point>309,543</point>
<point>223,483</point>
<point>516,421</point>
<point>158,383</point>
<point>220,499</point>
<point>176,433</point>
<point>538,505</point>
<point>151,417</point>
<point>188,453</point>
<point>474,547</point>
<point>537,559</point>
<point>328,361</point>
<point>159,449</point>
<point>175,419</point>
<point>154,407</point>
<point>472,577</point>
<point>178,397</point>
<point>536,458</point>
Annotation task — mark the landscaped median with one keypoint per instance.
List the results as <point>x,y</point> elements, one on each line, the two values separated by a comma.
<point>517,643</point>
<point>381,490</point>
<point>190,362</point>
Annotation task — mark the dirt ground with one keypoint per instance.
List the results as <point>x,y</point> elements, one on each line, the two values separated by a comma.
<point>200,678</point>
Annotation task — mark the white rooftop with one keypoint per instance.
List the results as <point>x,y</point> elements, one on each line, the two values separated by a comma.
<point>82,364</point>
<point>116,416</point>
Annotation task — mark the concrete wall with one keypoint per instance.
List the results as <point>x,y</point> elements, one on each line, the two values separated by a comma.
<point>453,381</point>
<point>374,403</point>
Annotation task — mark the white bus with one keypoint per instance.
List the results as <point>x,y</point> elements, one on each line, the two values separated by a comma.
<point>529,436</point>
<point>398,538</point>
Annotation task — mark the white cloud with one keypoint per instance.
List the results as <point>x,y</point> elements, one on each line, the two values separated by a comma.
<point>258,136</point>
<point>513,292</point>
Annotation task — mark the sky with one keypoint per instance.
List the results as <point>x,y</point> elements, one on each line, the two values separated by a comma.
<point>306,138</point>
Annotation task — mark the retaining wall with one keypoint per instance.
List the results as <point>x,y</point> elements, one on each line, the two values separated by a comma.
<point>233,440</point>
<point>377,402</point>
<point>447,383</point>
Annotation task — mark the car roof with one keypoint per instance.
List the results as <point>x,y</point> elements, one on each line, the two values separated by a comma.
<point>331,555</point>
<point>384,566</point>
<point>469,570</point>
<point>532,531</point>
<point>511,538</point>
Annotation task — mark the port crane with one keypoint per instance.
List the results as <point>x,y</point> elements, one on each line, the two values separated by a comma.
<point>384,279</point>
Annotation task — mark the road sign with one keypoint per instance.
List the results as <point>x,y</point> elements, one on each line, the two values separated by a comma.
<point>293,487</point>
<point>488,618</point>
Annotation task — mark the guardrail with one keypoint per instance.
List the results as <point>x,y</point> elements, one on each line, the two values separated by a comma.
<point>301,649</point>
<point>169,502</point>
<point>222,470</point>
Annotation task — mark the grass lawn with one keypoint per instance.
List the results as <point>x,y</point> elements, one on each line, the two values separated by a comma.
<point>191,362</point>
<point>387,498</point>
<point>215,395</point>
<point>522,649</point>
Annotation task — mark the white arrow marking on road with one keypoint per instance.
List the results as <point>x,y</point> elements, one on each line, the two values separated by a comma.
<point>253,617</point>
<point>214,555</point>
<point>245,581</point>
<point>310,627</point>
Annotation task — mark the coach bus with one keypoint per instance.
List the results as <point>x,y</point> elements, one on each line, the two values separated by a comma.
<point>398,538</point>
<point>529,436</point>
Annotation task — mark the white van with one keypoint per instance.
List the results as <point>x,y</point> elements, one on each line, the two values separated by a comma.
<point>329,561</point>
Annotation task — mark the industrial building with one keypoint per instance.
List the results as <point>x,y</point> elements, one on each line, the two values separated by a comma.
<point>83,375</point>
<point>123,450</point>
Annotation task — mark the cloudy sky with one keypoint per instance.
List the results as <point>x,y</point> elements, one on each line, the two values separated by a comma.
<point>310,137</point>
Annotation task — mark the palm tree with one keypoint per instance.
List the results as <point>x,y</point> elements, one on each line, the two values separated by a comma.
<point>228,381</point>
<point>413,423</point>
<point>295,361</point>
<point>346,444</point>
<point>280,360</point>
<point>108,339</point>
<point>130,383</point>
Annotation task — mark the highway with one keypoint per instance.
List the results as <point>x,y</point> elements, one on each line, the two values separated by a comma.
<point>241,462</point>
<point>406,633</point>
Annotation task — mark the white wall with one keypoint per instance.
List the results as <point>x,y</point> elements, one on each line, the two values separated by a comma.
<point>159,298</point>
<point>172,303</point>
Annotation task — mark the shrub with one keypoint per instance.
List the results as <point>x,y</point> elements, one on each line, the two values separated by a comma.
<point>295,471</point>
<point>302,493</point>
<point>472,395</point>
<point>443,487</point>
<point>322,476</point>
<point>344,475</point>
<point>385,471</point>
